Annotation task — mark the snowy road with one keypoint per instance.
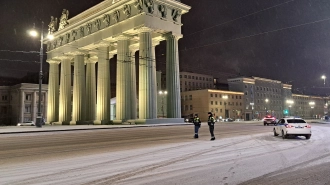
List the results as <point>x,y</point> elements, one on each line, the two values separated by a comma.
<point>234,158</point>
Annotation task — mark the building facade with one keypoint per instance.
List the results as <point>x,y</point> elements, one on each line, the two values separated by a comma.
<point>262,96</point>
<point>223,104</point>
<point>309,106</point>
<point>19,103</point>
<point>114,28</point>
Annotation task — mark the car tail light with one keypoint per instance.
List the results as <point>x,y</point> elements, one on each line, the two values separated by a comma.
<point>288,126</point>
<point>308,126</point>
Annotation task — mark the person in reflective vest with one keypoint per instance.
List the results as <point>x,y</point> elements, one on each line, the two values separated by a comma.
<point>197,123</point>
<point>211,122</point>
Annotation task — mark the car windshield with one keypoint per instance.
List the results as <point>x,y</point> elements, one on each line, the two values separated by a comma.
<point>296,121</point>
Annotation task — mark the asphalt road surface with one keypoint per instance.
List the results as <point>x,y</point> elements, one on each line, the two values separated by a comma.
<point>243,153</point>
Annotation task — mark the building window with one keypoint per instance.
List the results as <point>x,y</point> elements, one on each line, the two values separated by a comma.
<point>216,102</point>
<point>28,97</point>
<point>216,95</point>
<point>220,103</point>
<point>27,108</point>
<point>211,102</point>
<point>190,97</point>
<point>236,103</point>
<point>246,93</point>
<point>236,97</point>
<point>220,110</point>
<point>4,98</point>
<point>180,76</point>
<point>216,110</point>
<point>186,107</point>
<point>3,110</point>
<point>191,107</point>
<point>211,95</point>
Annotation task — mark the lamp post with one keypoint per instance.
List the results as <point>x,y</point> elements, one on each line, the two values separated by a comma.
<point>34,33</point>
<point>252,104</point>
<point>225,97</point>
<point>312,104</point>
<point>323,77</point>
<point>266,100</point>
<point>162,94</point>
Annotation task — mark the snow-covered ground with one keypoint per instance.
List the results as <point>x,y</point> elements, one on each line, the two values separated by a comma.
<point>223,161</point>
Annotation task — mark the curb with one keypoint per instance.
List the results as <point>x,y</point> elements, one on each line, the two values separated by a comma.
<point>83,129</point>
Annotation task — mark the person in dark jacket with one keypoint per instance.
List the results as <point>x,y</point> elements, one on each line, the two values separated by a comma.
<point>211,122</point>
<point>197,123</point>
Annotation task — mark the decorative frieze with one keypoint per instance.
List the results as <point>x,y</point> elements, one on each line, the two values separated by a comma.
<point>116,16</point>
<point>127,10</point>
<point>163,10</point>
<point>150,5</point>
<point>106,20</point>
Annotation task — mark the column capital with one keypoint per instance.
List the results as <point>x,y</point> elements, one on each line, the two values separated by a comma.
<point>91,59</point>
<point>122,37</point>
<point>144,30</point>
<point>65,57</point>
<point>78,52</point>
<point>102,44</point>
<point>172,36</point>
<point>53,61</point>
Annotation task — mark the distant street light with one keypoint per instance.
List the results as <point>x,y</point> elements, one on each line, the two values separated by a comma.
<point>323,77</point>
<point>266,100</point>
<point>162,94</point>
<point>312,104</point>
<point>290,103</point>
<point>225,97</point>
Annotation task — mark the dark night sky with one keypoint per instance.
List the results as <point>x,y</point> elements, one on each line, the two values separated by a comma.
<point>286,40</point>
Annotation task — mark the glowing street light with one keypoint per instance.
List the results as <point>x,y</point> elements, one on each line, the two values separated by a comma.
<point>163,93</point>
<point>290,103</point>
<point>323,77</point>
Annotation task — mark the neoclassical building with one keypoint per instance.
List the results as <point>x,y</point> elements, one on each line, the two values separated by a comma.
<point>114,27</point>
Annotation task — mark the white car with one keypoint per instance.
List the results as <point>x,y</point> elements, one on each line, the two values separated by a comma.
<point>26,123</point>
<point>292,127</point>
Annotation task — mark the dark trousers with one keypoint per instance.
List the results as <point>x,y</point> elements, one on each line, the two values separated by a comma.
<point>211,127</point>
<point>196,129</point>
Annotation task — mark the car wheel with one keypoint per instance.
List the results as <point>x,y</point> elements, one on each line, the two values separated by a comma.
<point>308,136</point>
<point>275,134</point>
<point>283,136</point>
<point>264,124</point>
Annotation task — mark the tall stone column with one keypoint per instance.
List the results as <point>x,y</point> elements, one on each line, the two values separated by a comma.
<point>147,81</point>
<point>172,77</point>
<point>103,86</point>
<point>154,78</point>
<point>22,105</point>
<point>34,108</point>
<point>133,84</point>
<point>90,88</point>
<point>124,80</point>
<point>65,91</point>
<point>79,91</point>
<point>53,91</point>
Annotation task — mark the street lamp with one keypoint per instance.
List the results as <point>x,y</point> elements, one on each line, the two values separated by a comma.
<point>225,97</point>
<point>33,32</point>
<point>323,77</point>
<point>266,100</point>
<point>162,94</point>
<point>290,103</point>
<point>312,104</point>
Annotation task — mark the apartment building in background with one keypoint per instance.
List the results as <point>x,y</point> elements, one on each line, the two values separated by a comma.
<point>262,96</point>
<point>223,104</point>
<point>19,103</point>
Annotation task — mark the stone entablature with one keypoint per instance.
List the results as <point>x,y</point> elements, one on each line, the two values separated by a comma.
<point>109,19</point>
